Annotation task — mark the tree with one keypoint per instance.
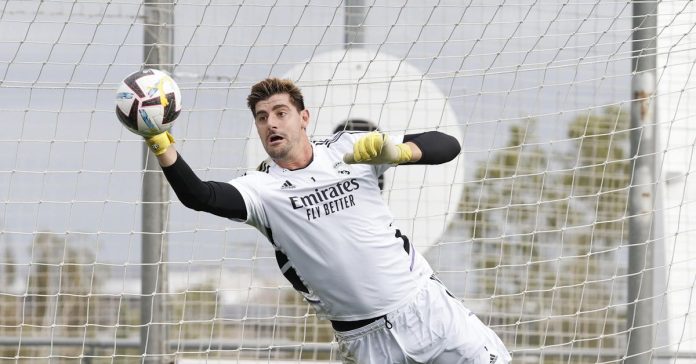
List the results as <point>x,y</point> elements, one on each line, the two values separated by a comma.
<point>10,302</point>
<point>59,290</point>
<point>544,227</point>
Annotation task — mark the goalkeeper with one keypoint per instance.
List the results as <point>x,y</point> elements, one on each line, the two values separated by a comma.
<point>320,206</point>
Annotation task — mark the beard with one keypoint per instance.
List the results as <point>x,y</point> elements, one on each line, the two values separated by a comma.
<point>278,153</point>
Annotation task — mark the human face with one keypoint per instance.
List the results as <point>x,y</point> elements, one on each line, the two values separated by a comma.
<point>281,128</point>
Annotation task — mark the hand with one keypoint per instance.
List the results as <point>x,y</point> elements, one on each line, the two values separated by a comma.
<point>159,143</point>
<point>377,148</point>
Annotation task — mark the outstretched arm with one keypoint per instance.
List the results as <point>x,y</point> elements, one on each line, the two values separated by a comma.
<point>217,198</point>
<point>431,147</point>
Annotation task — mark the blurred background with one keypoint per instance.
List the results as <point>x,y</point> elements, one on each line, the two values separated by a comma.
<point>564,223</point>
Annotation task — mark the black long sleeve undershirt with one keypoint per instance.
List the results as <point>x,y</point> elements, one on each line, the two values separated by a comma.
<point>437,147</point>
<point>223,199</point>
<point>217,198</point>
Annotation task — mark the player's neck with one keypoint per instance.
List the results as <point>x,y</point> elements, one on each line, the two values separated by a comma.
<point>299,160</point>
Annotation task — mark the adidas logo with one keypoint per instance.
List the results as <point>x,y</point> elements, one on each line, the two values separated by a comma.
<point>493,358</point>
<point>287,185</point>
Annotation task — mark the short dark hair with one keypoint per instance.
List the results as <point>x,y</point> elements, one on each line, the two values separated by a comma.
<point>273,86</point>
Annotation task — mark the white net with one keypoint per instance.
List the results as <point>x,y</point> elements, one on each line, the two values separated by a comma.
<point>529,226</point>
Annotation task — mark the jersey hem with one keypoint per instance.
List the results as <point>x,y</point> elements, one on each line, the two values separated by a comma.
<point>391,308</point>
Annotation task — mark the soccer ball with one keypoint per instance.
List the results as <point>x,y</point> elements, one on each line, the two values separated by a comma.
<point>147,102</point>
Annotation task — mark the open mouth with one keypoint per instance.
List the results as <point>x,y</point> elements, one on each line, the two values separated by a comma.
<point>275,138</point>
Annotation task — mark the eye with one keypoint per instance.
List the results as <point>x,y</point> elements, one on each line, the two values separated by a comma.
<point>282,114</point>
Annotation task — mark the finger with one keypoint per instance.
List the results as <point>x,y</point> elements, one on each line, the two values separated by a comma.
<point>373,145</point>
<point>359,152</point>
<point>374,141</point>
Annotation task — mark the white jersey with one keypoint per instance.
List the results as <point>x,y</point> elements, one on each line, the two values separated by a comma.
<point>333,233</point>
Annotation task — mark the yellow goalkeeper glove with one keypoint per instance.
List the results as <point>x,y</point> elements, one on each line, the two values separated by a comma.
<point>377,148</point>
<point>159,143</point>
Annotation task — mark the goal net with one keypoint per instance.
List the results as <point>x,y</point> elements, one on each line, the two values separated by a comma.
<point>550,225</point>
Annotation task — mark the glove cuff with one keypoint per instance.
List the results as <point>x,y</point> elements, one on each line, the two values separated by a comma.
<point>405,153</point>
<point>159,143</point>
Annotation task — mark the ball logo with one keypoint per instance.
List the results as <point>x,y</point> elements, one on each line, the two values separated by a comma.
<point>146,119</point>
<point>147,102</point>
<point>151,91</point>
<point>159,88</point>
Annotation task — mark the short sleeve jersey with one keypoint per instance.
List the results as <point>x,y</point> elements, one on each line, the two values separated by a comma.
<point>333,234</point>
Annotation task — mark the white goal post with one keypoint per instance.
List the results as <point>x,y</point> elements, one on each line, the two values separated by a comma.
<point>566,223</point>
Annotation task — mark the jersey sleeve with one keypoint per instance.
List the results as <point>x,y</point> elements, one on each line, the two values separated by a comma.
<point>217,198</point>
<point>256,214</point>
<point>343,142</point>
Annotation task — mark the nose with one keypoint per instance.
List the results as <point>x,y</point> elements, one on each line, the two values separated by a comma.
<point>272,122</point>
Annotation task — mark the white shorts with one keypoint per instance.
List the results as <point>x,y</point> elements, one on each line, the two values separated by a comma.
<point>434,328</point>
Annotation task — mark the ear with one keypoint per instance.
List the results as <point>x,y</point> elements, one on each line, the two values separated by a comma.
<point>304,116</point>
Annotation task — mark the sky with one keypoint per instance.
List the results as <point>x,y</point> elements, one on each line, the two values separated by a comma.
<point>68,167</point>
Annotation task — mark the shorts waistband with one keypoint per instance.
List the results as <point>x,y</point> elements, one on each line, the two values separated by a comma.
<point>352,325</point>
